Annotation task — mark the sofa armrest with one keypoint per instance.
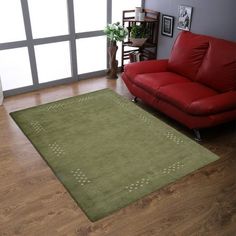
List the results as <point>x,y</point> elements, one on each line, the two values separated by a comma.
<point>214,104</point>
<point>142,67</point>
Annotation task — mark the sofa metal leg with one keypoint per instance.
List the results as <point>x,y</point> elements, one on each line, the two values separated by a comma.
<point>135,100</point>
<point>197,135</point>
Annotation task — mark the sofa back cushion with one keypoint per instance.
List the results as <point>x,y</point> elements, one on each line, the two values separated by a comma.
<point>218,69</point>
<point>187,54</point>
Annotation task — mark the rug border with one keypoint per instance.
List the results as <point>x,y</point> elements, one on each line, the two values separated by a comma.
<point>63,99</point>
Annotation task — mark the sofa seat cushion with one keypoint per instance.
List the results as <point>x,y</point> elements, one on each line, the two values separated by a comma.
<point>218,69</point>
<point>182,95</point>
<point>151,82</point>
<point>187,54</point>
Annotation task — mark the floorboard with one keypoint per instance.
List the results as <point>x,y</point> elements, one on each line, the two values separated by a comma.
<point>34,202</point>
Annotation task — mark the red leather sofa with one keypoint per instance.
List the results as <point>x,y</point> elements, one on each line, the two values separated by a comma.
<point>195,86</point>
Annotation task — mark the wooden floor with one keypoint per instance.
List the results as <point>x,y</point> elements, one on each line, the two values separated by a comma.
<point>34,202</point>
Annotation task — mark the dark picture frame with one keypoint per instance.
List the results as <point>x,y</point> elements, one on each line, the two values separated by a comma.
<point>167,25</point>
<point>184,17</point>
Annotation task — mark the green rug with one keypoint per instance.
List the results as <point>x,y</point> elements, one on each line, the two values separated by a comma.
<point>107,151</point>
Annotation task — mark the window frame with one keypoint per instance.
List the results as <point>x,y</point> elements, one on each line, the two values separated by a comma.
<point>30,43</point>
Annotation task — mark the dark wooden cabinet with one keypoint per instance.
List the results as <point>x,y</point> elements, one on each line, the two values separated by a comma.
<point>148,50</point>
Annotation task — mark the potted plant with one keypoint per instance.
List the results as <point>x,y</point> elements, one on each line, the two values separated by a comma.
<point>115,32</point>
<point>139,35</point>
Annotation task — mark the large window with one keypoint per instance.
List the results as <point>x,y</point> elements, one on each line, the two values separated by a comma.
<point>11,21</point>
<point>15,68</point>
<point>53,61</point>
<point>90,15</point>
<point>119,5</point>
<point>48,17</point>
<point>45,41</point>
<point>90,46</point>
<point>91,54</point>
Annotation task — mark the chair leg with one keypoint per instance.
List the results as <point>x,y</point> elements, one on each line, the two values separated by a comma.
<point>135,100</point>
<point>197,135</point>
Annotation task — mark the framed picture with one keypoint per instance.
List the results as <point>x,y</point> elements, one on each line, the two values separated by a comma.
<point>184,18</point>
<point>167,25</point>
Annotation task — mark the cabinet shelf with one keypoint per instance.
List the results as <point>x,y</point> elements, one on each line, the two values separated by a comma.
<point>148,50</point>
<point>146,45</point>
<point>146,19</point>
